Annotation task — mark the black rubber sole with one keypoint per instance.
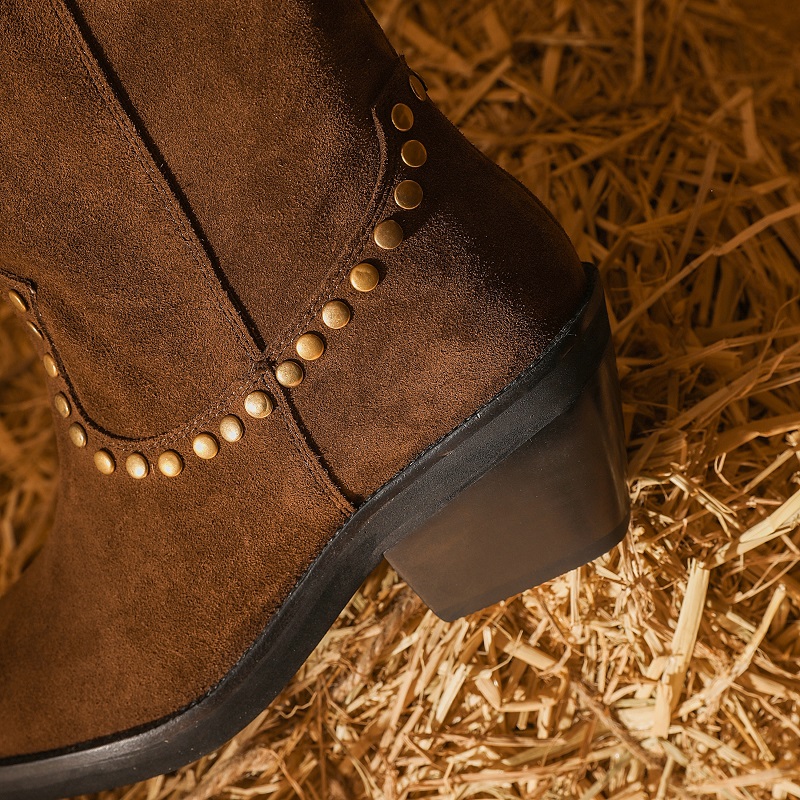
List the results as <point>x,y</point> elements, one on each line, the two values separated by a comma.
<point>529,487</point>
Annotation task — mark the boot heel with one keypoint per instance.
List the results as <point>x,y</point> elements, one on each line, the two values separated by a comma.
<point>555,502</point>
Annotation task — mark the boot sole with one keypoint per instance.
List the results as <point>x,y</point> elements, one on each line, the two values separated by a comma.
<point>531,486</point>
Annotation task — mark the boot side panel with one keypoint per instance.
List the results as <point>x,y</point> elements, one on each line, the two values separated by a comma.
<point>133,310</point>
<point>480,284</point>
<point>261,114</point>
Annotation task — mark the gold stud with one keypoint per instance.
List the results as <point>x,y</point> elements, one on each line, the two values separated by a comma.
<point>413,153</point>
<point>34,330</point>
<point>417,86</point>
<point>77,434</point>
<point>289,374</point>
<point>258,405</point>
<point>170,464</point>
<point>137,466</point>
<point>309,346</point>
<point>387,234</point>
<point>104,461</point>
<point>62,404</point>
<point>231,428</point>
<point>50,366</point>
<point>408,194</point>
<point>364,277</point>
<point>402,117</point>
<point>335,314</point>
<point>17,301</point>
<point>205,446</point>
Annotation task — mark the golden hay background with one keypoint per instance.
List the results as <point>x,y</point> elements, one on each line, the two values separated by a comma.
<point>665,136</point>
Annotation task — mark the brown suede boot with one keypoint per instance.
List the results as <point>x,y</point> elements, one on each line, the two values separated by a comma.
<point>292,322</point>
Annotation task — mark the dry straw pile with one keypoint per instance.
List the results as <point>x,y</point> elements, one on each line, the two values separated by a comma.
<point>664,134</point>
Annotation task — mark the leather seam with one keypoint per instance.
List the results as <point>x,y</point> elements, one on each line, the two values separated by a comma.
<point>125,446</point>
<point>134,145</point>
<point>380,197</point>
<point>322,481</point>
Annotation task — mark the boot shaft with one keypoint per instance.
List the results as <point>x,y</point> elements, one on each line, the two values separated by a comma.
<point>226,171</point>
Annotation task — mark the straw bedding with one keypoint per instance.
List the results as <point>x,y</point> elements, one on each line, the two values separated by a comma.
<point>664,135</point>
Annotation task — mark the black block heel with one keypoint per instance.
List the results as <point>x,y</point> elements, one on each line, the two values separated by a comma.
<point>552,499</point>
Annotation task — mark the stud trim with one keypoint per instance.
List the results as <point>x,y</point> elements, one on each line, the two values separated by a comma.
<point>170,464</point>
<point>205,446</point>
<point>364,277</point>
<point>289,374</point>
<point>387,234</point>
<point>258,404</point>
<point>104,461</point>
<point>310,346</point>
<point>137,466</point>
<point>231,428</point>
<point>77,434</point>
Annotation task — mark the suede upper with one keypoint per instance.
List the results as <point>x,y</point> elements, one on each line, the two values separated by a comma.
<point>182,188</point>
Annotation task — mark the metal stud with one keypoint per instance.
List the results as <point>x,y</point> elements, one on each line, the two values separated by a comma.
<point>104,461</point>
<point>402,117</point>
<point>231,428</point>
<point>18,301</point>
<point>335,314</point>
<point>137,466</point>
<point>309,346</point>
<point>205,446</point>
<point>62,404</point>
<point>34,330</point>
<point>50,366</point>
<point>77,434</point>
<point>387,234</point>
<point>408,194</point>
<point>417,86</point>
<point>170,464</point>
<point>364,277</point>
<point>289,374</point>
<point>258,405</point>
<point>413,153</point>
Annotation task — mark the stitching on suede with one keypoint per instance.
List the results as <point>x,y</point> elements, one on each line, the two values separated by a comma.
<point>124,444</point>
<point>318,475</point>
<point>380,199</point>
<point>129,134</point>
<point>258,375</point>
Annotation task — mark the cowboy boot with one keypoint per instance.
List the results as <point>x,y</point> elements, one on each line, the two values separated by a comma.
<point>291,321</point>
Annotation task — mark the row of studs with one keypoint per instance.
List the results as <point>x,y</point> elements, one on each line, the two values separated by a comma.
<point>387,235</point>
<point>205,445</point>
<point>364,277</point>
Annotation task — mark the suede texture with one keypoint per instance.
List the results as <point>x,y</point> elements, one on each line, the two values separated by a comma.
<point>261,113</point>
<point>182,187</point>
<point>148,592</point>
<point>88,219</point>
<point>482,281</point>
<point>288,195</point>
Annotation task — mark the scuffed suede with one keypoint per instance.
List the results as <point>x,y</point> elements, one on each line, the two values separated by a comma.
<point>182,187</point>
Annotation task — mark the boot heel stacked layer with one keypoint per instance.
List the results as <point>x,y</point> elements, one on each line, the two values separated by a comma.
<point>540,488</point>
